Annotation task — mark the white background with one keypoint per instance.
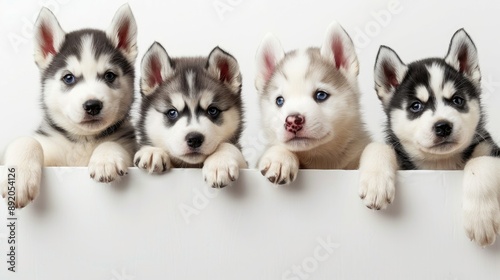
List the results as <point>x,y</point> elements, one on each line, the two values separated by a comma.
<point>418,30</point>
<point>78,229</point>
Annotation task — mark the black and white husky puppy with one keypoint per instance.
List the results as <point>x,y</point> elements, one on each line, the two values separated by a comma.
<point>435,121</point>
<point>87,82</point>
<point>309,101</point>
<point>191,114</point>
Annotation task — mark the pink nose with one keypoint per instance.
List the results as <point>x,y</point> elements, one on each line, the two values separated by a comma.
<point>294,123</point>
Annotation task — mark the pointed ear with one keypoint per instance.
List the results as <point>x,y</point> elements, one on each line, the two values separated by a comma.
<point>156,67</point>
<point>49,38</point>
<point>269,54</point>
<point>123,32</point>
<point>462,55</point>
<point>339,49</point>
<point>225,68</point>
<point>389,73</point>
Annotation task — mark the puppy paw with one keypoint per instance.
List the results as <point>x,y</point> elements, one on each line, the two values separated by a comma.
<point>106,169</point>
<point>219,172</point>
<point>28,177</point>
<point>377,189</point>
<point>482,221</point>
<point>481,212</point>
<point>152,159</point>
<point>279,166</point>
<point>377,175</point>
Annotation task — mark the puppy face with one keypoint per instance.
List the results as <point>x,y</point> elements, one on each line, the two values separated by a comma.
<point>433,105</point>
<point>436,111</point>
<point>87,75</point>
<point>194,108</point>
<point>307,97</point>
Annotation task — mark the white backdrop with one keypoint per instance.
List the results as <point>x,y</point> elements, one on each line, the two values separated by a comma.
<point>253,231</point>
<point>415,29</point>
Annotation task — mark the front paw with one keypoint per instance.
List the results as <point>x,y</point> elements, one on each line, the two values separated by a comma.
<point>105,169</point>
<point>377,188</point>
<point>219,172</point>
<point>279,166</point>
<point>28,177</point>
<point>152,159</point>
<point>482,221</point>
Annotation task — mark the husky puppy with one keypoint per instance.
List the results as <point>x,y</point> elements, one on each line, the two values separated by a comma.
<point>435,121</point>
<point>191,115</point>
<point>309,101</point>
<point>87,81</point>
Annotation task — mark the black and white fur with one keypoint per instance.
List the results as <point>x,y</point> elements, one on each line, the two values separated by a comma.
<point>309,101</point>
<point>191,115</point>
<point>435,121</point>
<point>87,82</point>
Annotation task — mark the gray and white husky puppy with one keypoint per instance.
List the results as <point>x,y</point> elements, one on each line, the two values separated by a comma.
<point>309,101</point>
<point>87,82</point>
<point>191,114</point>
<point>435,121</point>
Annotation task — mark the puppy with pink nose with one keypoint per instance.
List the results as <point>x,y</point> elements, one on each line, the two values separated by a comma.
<point>309,101</point>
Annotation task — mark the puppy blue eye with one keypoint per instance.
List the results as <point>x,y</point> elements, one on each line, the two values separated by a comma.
<point>280,101</point>
<point>69,79</point>
<point>416,107</point>
<point>172,114</point>
<point>457,100</point>
<point>109,76</point>
<point>213,111</point>
<point>321,96</point>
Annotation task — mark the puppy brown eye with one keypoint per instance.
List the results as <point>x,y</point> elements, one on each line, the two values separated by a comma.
<point>457,100</point>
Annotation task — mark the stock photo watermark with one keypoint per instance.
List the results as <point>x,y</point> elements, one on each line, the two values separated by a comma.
<point>362,37</point>
<point>11,219</point>
<point>24,35</point>
<point>199,202</point>
<point>121,275</point>
<point>323,251</point>
<point>222,7</point>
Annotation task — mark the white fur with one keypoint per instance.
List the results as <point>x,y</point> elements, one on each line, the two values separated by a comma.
<point>422,93</point>
<point>377,171</point>
<point>222,167</point>
<point>481,212</point>
<point>333,135</point>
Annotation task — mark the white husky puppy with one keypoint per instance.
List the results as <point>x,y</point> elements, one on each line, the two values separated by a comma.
<point>309,101</point>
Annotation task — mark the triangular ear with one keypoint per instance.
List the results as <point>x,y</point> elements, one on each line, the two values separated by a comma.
<point>339,49</point>
<point>49,38</point>
<point>123,32</point>
<point>156,67</point>
<point>225,68</point>
<point>269,54</point>
<point>462,55</point>
<point>389,73</point>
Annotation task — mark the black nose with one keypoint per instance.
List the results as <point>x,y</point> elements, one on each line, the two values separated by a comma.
<point>443,129</point>
<point>92,107</point>
<point>194,139</point>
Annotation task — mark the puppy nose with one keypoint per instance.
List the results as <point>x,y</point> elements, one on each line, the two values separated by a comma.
<point>294,123</point>
<point>92,107</point>
<point>194,139</point>
<point>443,129</point>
